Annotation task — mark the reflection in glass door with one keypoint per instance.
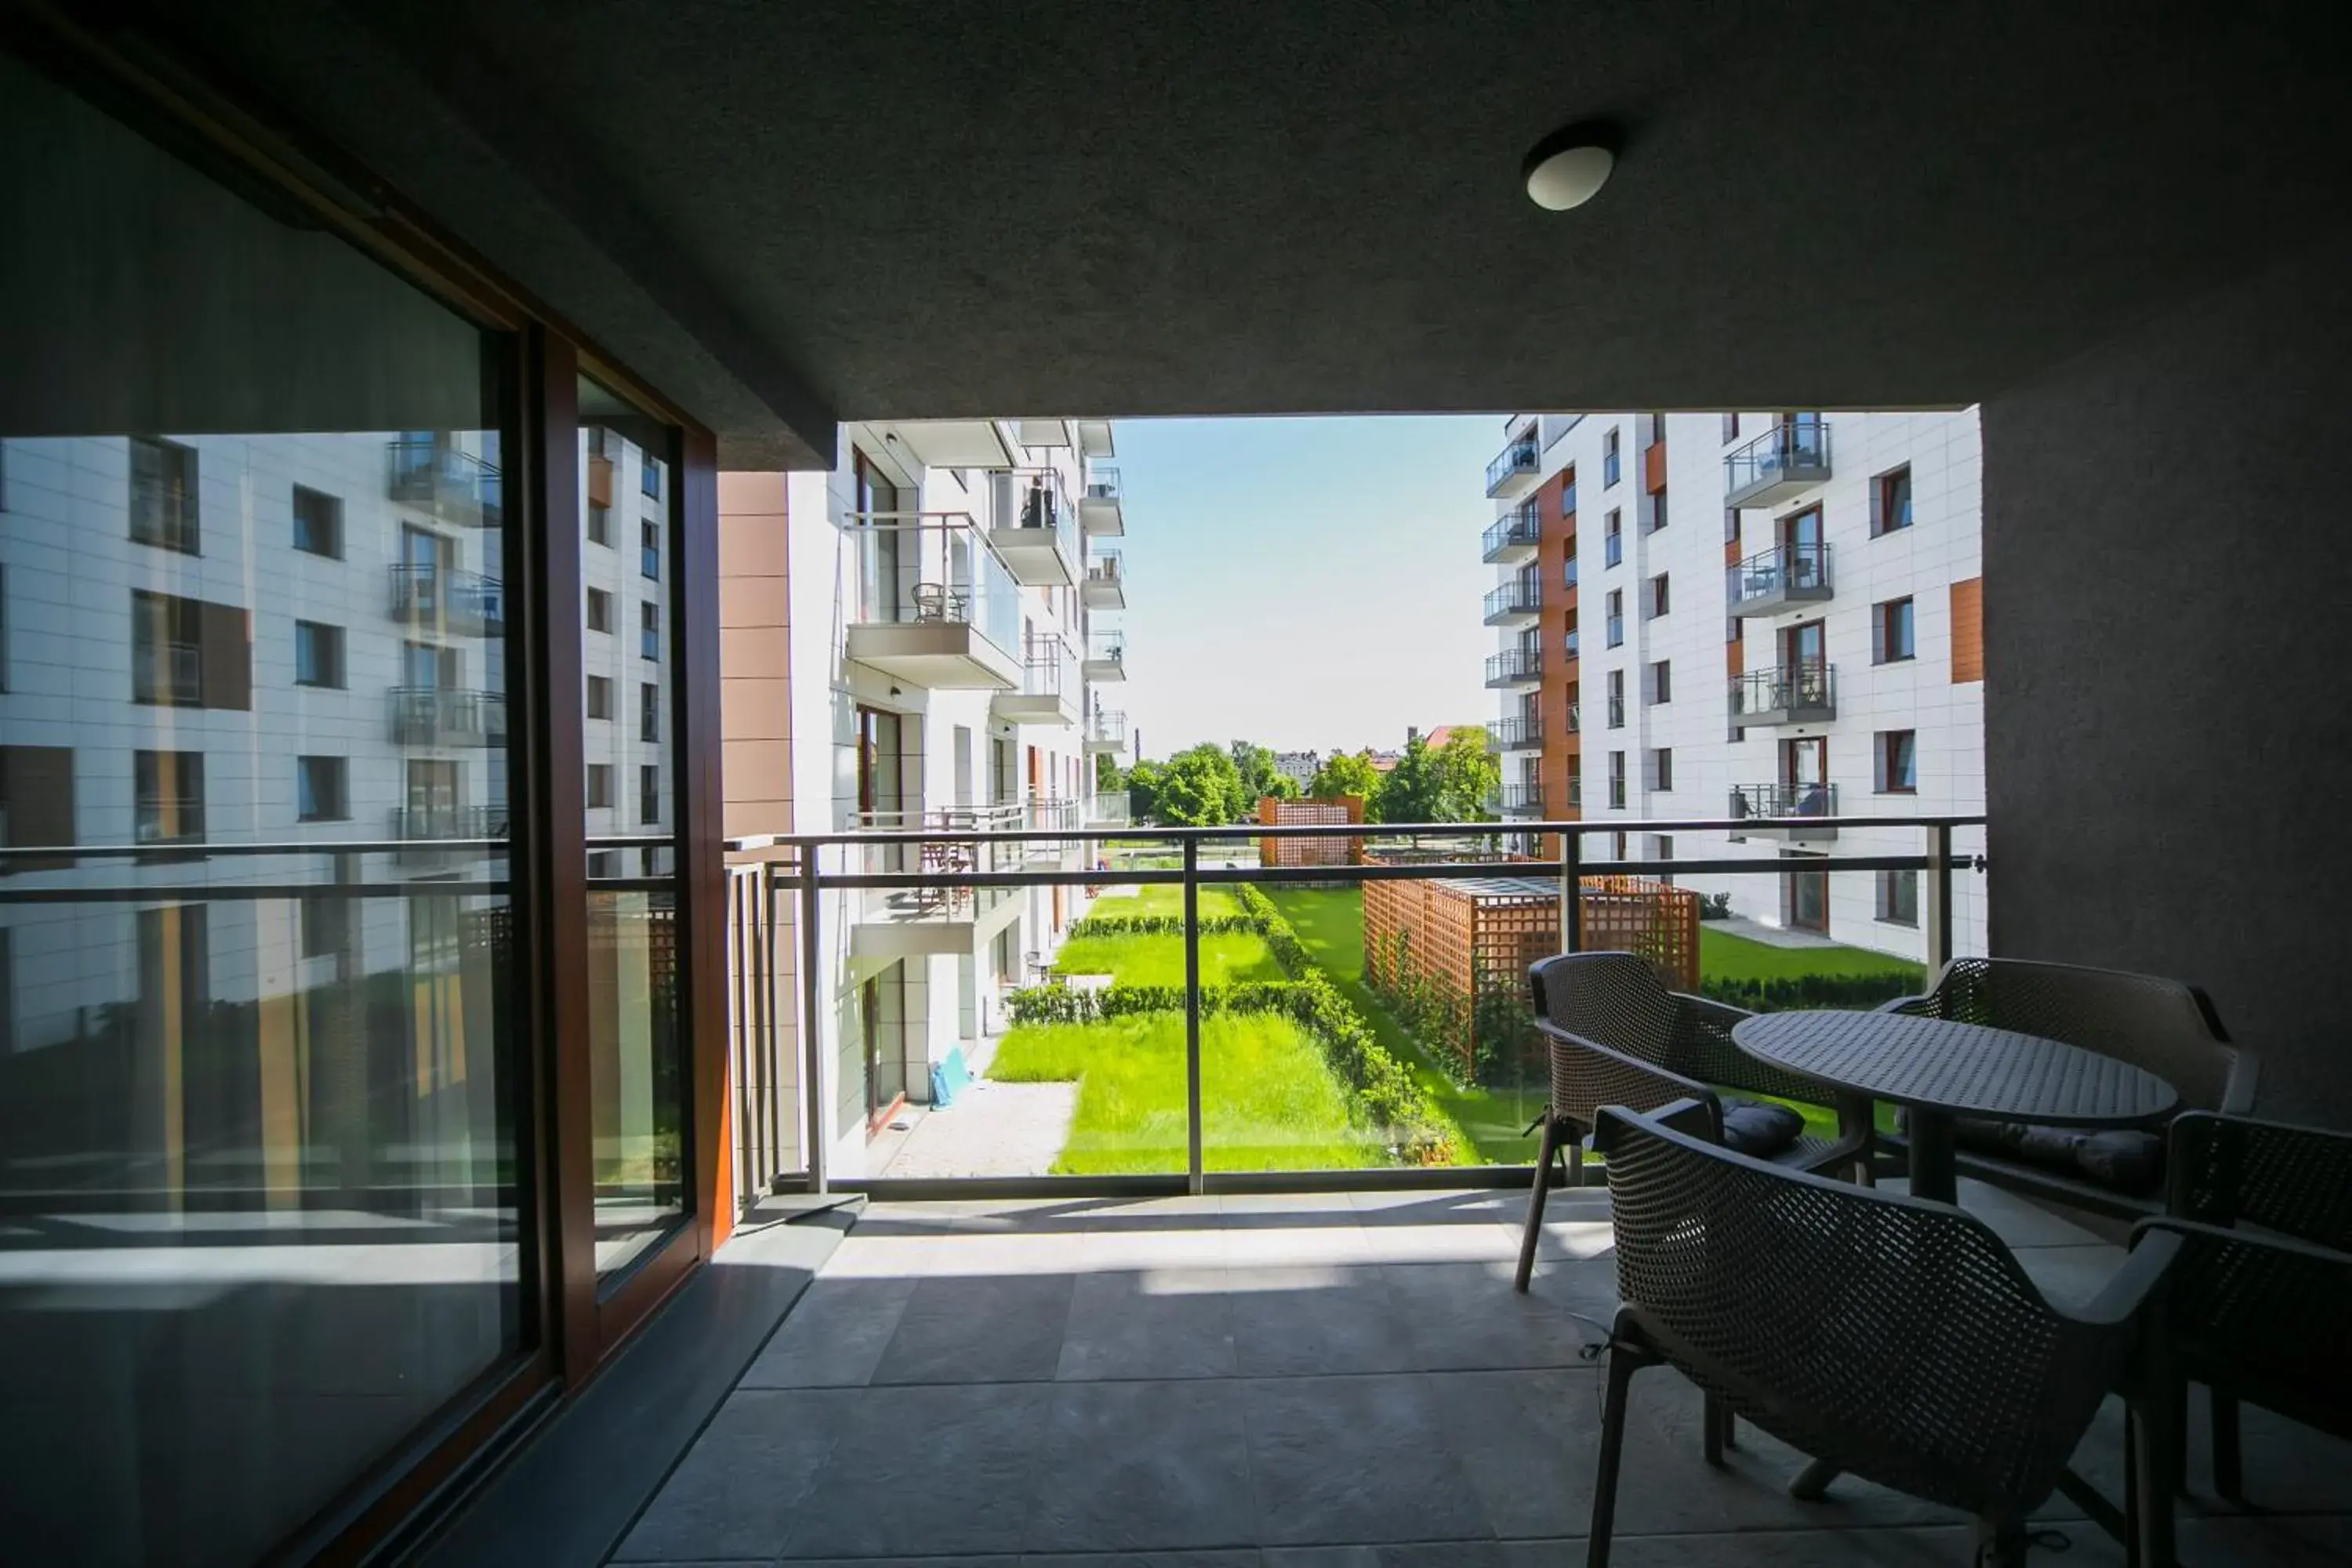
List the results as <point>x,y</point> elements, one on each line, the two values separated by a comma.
<point>1805,898</point>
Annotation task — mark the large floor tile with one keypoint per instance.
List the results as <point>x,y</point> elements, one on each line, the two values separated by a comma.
<point>1142,1466</point>
<point>1342,1242</point>
<point>1528,1441</point>
<point>1439,1243</point>
<point>1226,1557</point>
<point>917,1471</point>
<point>1497,1206</point>
<point>738,1491</point>
<point>1336,1460</point>
<point>1157,1324</point>
<point>1292,1322</point>
<point>1184,1242</point>
<point>1466,1315</point>
<point>979,1328</point>
<point>834,1336</point>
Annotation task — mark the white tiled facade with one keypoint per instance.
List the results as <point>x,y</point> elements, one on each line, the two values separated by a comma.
<point>1868,568</point>
<point>959,760</point>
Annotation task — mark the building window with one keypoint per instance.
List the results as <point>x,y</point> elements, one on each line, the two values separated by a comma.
<point>325,925</point>
<point>1568,497</point>
<point>600,786</point>
<point>1660,600</point>
<point>1898,762</point>
<point>1730,428</point>
<point>168,792</point>
<point>649,551</point>
<point>1898,897</point>
<point>1890,500</point>
<point>318,655</point>
<point>649,713</point>
<point>600,524</point>
<point>1890,632</point>
<point>1658,509</point>
<point>600,610</point>
<point>1616,698</point>
<point>1617,791</point>
<point>650,793</point>
<point>1662,768</point>
<point>1661,848</point>
<point>1616,616</point>
<point>1731,525</point>
<point>1731,628</point>
<point>167,663</point>
<point>1662,682</point>
<point>649,476</point>
<point>600,697</point>
<point>1611,467</point>
<point>317,522</point>
<point>649,631</point>
<point>1612,539</point>
<point>322,789</point>
<point>163,495</point>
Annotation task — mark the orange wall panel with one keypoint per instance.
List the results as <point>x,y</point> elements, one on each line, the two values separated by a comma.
<point>1968,630</point>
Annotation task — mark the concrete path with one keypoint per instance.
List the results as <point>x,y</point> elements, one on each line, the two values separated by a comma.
<point>992,1129</point>
<point>1771,936</point>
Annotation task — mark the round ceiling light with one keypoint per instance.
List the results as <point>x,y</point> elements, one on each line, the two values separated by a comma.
<point>1568,168</point>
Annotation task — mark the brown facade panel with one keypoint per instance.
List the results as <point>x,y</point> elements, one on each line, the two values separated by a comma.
<point>225,633</point>
<point>1968,630</point>
<point>1653,468</point>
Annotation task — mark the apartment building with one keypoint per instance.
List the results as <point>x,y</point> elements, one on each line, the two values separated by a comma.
<point>1786,624</point>
<point>1299,767</point>
<point>955,664</point>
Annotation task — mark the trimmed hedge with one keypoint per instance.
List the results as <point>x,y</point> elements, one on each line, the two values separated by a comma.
<point>1159,925</point>
<point>1784,993</point>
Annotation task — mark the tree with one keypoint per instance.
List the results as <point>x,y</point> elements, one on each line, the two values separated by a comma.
<point>1281,787</point>
<point>1468,776</point>
<point>1254,763</point>
<point>1343,774</point>
<point>1143,791</point>
<point>1106,779</point>
<point>1200,788</point>
<point>1411,791</point>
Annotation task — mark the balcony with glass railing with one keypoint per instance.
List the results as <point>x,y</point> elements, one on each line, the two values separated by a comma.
<point>447,716</point>
<point>1516,603</point>
<point>1050,689</point>
<point>909,921</point>
<point>1106,733</point>
<point>1106,584</point>
<point>445,598</point>
<point>1514,667</point>
<point>1781,811</point>
<point>1790,457</point>
<point>936,606</point>
<point>435,475</point>
<point>1100,504</point>
<point>1786,578</point>
<point>1033,528</point>
<point>1106,657</point>
<point>438,835</point>
<point>1513,537</point>
<point>1785,694</point>
<point>1525,799</point>
<point>1514,469</point>
<point>168,674</point>
<point>1521,734</point>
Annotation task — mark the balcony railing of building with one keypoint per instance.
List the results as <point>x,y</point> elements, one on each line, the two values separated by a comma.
<point>1567,571</point>
<point>1513,535</point>
<point>1107,730</point>
<point>1516,734</point>
<point>168,673</point>
<point>441,833</point>
<point>1518,600</point>
<point>1575,789</point>
<point>1614,629</point>
<point>1099,504</point>
<point>1105,583</point>
<point>1514,461</point>
<point>169,819</point>
<point>1102,483</point>
<point>1616,712</point>
<point>1037,527</point>
<point>788,1033</point>
<point>1790,456</point>
<point>465,602</point>
<point>435,475</point>
<point>1108,808</point>
<point>934,568</point>
<point>1776,579</point>
<point>1107,648</point>
<point>1785,694</point>
<point>1575,718</point>
<point>1569,645</point>
<point>1514,667</point>
<point>1522,799</point>
<point>447,716</point>
<point>1788,811</point>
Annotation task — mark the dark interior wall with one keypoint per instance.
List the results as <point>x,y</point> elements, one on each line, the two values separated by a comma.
<point>2168,741</point>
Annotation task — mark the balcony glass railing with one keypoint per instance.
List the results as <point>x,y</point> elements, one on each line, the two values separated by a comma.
<point>1790,569</point>
<point>1792,450</point>
<point>430,593</point>
<point>1108,726</point>
<point>1519,527</point>
<point>1575,718</point>
<point>1573,647</point>
<point>446,716</point>
<point>1102,484</point>
<point>1519,457</point>
<point>1568,572</point>
<point>1514,665</point>
<point>1107,648</point>
<point>1784,800</point>
<point>1035,500</point>
<point>1788,689</point>
<point>171,674</point>
<point>934,568</point>
<point>1522,799</point>
<point>1510,734</point>
<point>1103,567</point>
<point>1567,500</point>
<point>1519,597</point>
<point>1050,670</point>
<point>454,484</point>
<point>1616,628</point>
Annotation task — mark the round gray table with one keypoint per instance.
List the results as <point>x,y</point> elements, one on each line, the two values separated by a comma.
<point>1942,1070</point>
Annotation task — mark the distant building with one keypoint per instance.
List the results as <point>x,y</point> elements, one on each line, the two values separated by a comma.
<point>1299,767</point>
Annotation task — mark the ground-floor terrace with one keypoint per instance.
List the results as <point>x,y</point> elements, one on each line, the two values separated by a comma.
<point>1330,1380</point>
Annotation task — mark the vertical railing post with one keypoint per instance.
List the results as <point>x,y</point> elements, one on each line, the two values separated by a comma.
<point>1194,1182</point>
<point>1571,902</point>
<point>812,989</point>
<point>1939,897</point>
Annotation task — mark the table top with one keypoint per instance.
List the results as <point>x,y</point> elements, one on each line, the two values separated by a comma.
<point>1965,1069</point>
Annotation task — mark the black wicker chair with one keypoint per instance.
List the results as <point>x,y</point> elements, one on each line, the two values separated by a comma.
<point>2159,1025</point>
<point>1885,1335</point>
<point>2261,1292</point>
<point>1616,1035</point>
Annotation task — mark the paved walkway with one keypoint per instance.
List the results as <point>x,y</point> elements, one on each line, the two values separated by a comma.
<point>1310,1381</point>
<point>1771,936</point>
<point>992,1130</point>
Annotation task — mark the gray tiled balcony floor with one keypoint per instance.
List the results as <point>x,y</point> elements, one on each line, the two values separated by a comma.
<point>1307,1381</point>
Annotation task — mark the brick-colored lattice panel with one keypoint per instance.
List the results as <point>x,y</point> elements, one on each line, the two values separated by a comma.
<point>1272,812</point>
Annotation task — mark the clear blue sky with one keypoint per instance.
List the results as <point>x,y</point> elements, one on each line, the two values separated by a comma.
<point>1304,583</point>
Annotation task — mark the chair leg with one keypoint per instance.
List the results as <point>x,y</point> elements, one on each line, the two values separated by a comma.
<point>2229,1479</point>
<point>1574,1149</point>
<point>2001,1544</point>
<point>2148,1450</point>
<point>1730,1428</point>
<point>1537,1194</point>
<point>1711,1432</point>
<point>1622,1367</point>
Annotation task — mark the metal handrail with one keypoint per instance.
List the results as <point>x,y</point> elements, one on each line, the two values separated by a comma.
<point>1519,457</point>
<point>1102,566</point>
<point>1784,688</point>
<point>1520,525</point>
<point>1102,484</point>
<point>1515,664</point>
<point>182,671</point>
<point>1525,730</point>
<point>419,587</point>
<point>1521,595</point>
<point>1796,567</point>
<point>1802,443</point>
<point>1777,800</point>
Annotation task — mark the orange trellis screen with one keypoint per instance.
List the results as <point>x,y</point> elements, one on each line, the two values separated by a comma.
<point>1460,942</point>
<point>1274,813</point>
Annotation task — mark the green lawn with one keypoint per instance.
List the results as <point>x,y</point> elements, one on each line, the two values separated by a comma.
<point>1268,1101</point>
<point>1226,957</point>
<point>1162,900</point>
<point>1723,956</point>
<point>1330,925</point>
